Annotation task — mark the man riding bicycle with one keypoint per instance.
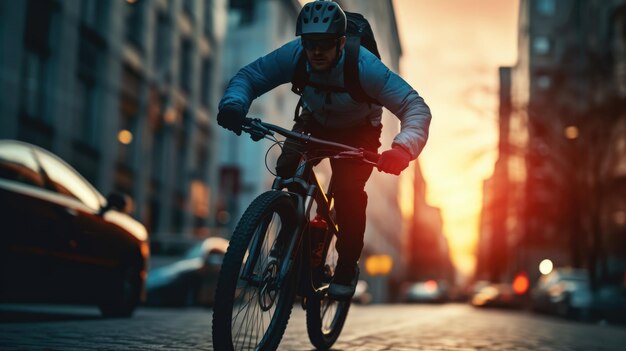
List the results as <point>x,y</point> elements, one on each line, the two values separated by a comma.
<point>335,115</point>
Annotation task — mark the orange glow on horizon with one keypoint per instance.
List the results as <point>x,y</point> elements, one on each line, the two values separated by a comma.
<point>451,53</point>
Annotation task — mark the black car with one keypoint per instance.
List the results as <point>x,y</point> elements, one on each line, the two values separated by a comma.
<point>61,241</point>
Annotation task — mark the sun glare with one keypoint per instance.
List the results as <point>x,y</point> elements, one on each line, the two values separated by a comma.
<point>451,55</point>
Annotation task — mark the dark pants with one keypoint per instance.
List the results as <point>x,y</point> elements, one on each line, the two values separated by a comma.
<point>349,178</point>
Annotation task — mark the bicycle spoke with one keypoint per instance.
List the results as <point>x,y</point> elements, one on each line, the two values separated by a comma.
<point>255,302</point>
<point>242,324</point>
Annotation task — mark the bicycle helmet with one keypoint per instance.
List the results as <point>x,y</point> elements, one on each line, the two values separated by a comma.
<point>321,17</point>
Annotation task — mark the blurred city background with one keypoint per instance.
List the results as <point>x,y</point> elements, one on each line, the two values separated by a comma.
<point>522,186</point>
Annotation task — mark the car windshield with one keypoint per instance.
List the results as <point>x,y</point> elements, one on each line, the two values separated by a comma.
<point>575,276</point>
<point>195,251</point>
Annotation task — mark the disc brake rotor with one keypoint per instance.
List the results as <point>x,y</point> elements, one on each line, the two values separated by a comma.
<point>269,289</point>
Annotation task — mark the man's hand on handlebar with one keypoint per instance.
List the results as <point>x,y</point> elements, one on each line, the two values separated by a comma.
<point>394,161</point>
<point>232,118</point>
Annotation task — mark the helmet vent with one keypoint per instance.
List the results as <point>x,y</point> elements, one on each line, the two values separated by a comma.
<point>316,19</point>
<point>331,7</point>
<point>306,21</point>
<point>318,7</point>
<point>325,20</point>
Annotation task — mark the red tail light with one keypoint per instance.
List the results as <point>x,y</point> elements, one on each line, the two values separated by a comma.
<point>431,285</point>
<point>521,283</point>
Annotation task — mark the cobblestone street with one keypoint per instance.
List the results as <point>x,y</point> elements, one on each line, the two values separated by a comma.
<point>384,327</point>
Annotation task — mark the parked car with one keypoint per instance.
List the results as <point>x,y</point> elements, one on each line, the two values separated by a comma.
<point>609,303</point>
<point>565,292</point>
<point>432,291</point>
<point>61,240</point>
<point>188,279</point>
<point>494,295</point>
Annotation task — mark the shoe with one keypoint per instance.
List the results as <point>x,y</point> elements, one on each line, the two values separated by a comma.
<point>342,292</point>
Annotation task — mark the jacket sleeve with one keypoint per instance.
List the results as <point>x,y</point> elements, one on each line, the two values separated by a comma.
<point>400,98</point>
<point>262,75</point>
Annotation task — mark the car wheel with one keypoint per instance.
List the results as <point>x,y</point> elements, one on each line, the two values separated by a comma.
<point>124,295</point>
<point>189,298</point>
<point>565,310</point>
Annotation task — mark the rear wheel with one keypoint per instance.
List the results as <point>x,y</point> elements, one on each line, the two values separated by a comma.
<point>251,313</point>
<point>325,317</point>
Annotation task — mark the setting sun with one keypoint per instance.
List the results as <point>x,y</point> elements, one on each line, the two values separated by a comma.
<point>451,54</point>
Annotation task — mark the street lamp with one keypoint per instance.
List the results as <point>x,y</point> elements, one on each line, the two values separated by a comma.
<point>571,132</point>
<point>125,136</point>
<point>545,267</point>
<point>378,265</point>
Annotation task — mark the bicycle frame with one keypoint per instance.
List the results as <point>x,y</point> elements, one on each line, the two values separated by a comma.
<point>311,191</point>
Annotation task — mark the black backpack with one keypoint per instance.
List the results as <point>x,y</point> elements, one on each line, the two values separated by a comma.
<point>358,33</point>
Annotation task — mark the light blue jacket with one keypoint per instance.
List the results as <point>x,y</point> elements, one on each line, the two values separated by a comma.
<point>378,81</point>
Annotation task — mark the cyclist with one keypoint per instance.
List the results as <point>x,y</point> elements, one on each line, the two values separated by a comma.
<point>335,116</point>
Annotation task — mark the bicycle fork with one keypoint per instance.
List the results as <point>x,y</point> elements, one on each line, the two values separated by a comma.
<point>290,254</point>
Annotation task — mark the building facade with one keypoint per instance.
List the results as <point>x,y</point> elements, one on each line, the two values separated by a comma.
<point>426,249</point>
<point>124,91</point>
<point>564,146</point>
<point>255,28</point>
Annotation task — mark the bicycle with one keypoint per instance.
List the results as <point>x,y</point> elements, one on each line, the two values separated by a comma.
<point>270,261</point>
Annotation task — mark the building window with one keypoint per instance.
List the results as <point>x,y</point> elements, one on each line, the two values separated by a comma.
<point>541,45</point>
<point>86,117</point>
<point>206,82</point>
<point>202,151</point>
<point>208,18</point>
<point>185,66</point>
<point>155,118</point>
<point>183,134</point>
<point>178,212</point>
<point>200,200</point>
<point>543,82</point>
<point>93,14</point>
<point>33,84</point>
<point>134,23</point>
<point>38,24</point>
<point>546,7</point>
<point>162,45</point>
<point>37,50</point>
<point>128,127</point>
<point>90,53</point>
<point>188,8</point>
<point>241,12</point>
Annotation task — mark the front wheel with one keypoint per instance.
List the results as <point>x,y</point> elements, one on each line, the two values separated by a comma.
<point>251,307</point>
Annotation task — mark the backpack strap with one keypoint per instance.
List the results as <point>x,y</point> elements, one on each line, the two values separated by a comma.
<point>351,79</point>
<point>300,75</point>
<point>301,79</point>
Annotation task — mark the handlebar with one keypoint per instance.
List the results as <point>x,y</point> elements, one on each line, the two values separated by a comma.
<point>258,130</point>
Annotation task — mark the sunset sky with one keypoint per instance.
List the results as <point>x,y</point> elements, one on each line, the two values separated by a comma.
<point>451,53</point>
